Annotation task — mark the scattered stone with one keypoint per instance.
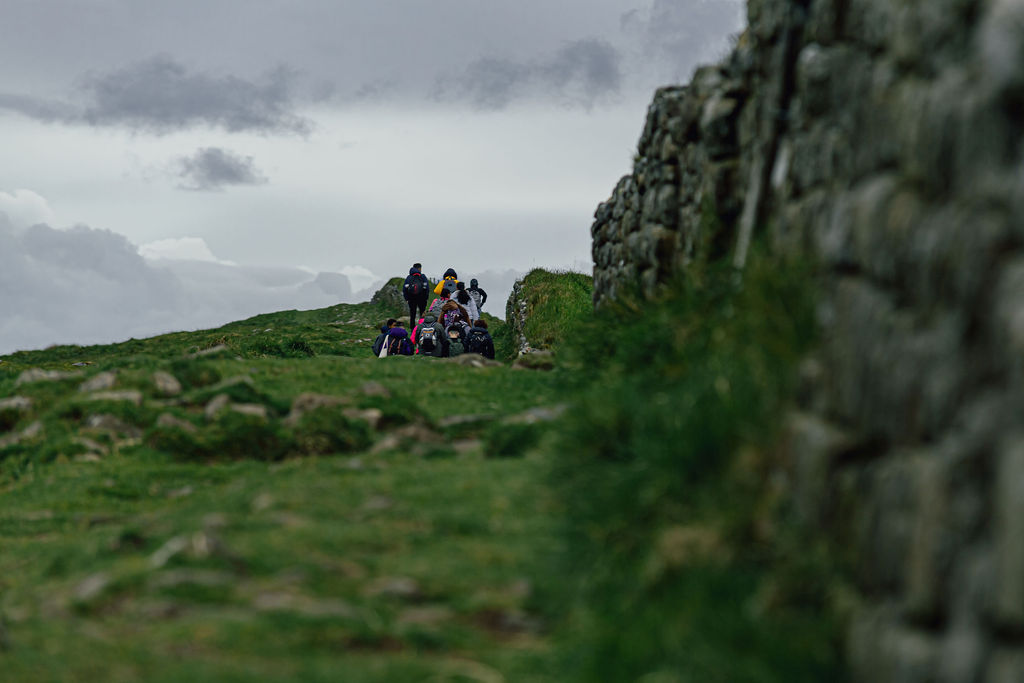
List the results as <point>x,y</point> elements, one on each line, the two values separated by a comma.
<point>301,604</point>
<point>256,410</point>
<point>262,502</point>
<point>371,416</point>
<point>108,422</point>
<point>166,384</point>
<point>209,578</point>
<point>399,587</point>
<point>79,364</point>
<point>216,405</point>
<point>170,421</point>
<point>458,420</point>
<point>103,381</point>
<point>475,360</point>
<point>535,360</point>
<point>90,445</point>
<point>128,396</point>
<point>183,492</point>
<point>308,402</point>
<point>15,404</point>
<point>375,389</point>
<point>170,549</point>
<point>91,587</point>
<point>429,616</point>
<point>88,457</point>
<point>212,351</point>
<point>38,375</point>
<point>29,432</point>
<point>376,503</point>
<point>537,415</point>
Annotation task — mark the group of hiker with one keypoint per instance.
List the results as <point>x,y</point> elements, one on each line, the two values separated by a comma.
<point>449,326</point>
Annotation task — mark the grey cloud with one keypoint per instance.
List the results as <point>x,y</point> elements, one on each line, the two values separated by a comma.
<point>37,108</point>
<point>676,35</point>
<point>161,95</point>
<point>88,286</point>
<point>583,73</point>
<point>210,169</point>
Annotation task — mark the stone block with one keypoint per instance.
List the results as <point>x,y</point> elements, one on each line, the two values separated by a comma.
<point>812,446</point>
<point>1006,666</point>
<point>888,525</point>
<point>927,559</point>
<point>880,648</point>
<point>1000,47</point>
<point>869,22</point>
<point>1008,533</point>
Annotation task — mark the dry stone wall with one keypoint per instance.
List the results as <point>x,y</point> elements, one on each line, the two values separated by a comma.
<point>883,139</point>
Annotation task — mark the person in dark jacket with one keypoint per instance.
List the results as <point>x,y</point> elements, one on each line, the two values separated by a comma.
<point>479,340</point>
<point>416,290</point>
<point>384,329</point>
<point>479,295</point>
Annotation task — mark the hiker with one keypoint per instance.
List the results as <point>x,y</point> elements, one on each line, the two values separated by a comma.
<point>479,340</point>
<point>445,295</point>
<point>396,343</point>
<point>466,301</point>
<point>379,341</point>
<point>452,313</point>
<point>430,338</point>
<point>416,290</point>
<point>449,274</point>
<point>479,295</point>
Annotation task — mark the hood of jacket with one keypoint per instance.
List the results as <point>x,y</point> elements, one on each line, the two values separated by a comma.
<point>413,271</point>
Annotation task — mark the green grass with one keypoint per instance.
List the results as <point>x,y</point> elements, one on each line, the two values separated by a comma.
<point>555,302</point>
<point>430,522</point>
<point>668,523</point>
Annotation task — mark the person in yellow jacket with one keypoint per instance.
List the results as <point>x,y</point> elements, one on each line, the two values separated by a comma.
<point>448,275</point>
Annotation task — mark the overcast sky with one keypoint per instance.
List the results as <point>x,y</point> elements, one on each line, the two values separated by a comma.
<point>166,163</point>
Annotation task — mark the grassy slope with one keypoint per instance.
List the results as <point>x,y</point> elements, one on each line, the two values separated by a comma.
<point>398,564</point>
<point>634,540</point>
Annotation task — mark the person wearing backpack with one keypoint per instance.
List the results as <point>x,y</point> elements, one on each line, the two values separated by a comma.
<point>379,341</point>
<point>447,292</point>
<point>456,335</point>
<point>479,340</point>
<point>479,295</point>
<point>466,301</point>
<point>430,338</point>
<point>397,343</point>
<point>449,274</point>
<point>416,290</point>
<point>452,312</point>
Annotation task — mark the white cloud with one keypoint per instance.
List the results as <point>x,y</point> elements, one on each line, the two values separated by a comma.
<point>359,276</point>
<point>25,208</point>
<point>178,249</point>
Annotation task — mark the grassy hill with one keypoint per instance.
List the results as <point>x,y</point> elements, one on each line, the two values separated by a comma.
<point>267,501</point>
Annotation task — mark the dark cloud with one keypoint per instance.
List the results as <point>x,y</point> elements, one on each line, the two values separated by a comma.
<point>211,169</point>
<point>581,73</point>
<point>37,108</point>
<point>676,35</point>
<point>161,95</point>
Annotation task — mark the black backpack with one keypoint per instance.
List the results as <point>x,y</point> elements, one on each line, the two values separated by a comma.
<point>415,286</point>
<point>479,341</point>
